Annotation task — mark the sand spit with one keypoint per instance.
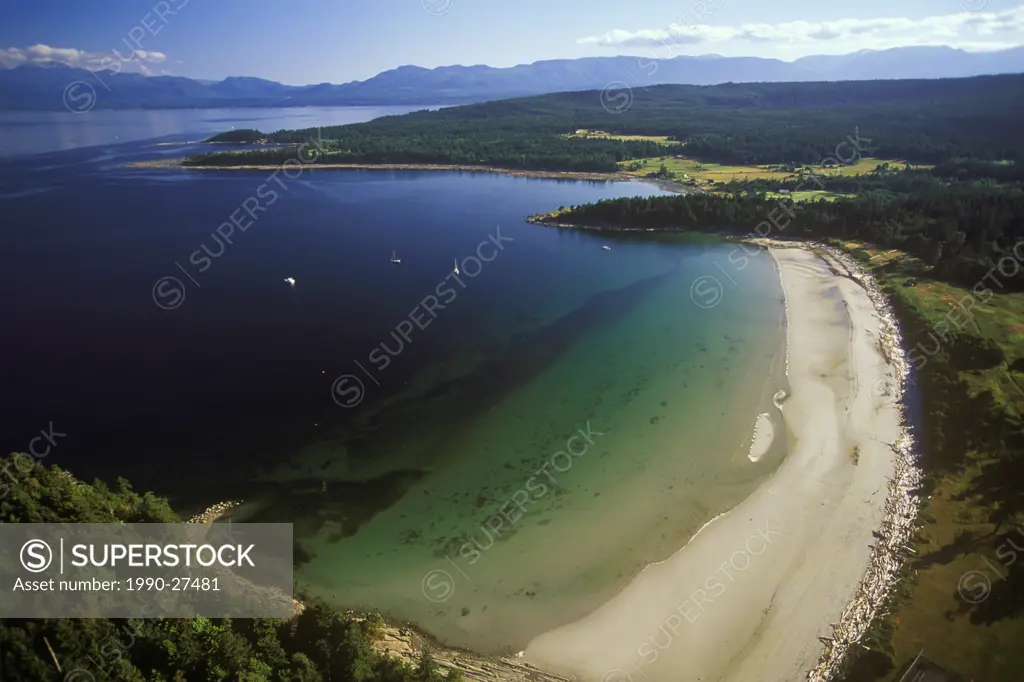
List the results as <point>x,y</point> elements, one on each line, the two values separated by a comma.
<point>666,185</point>
<point>764,434</point>
<point>755,593</point>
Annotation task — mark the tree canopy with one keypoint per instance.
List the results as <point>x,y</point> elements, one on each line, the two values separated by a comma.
<point>964,230</point>
<point>319,645</point>
<point>922,121</point>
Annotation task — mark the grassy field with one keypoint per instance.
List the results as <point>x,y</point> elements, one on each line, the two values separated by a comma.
<point>705,173</point>
<point>963,601</point>
<point>798,196</point>
<point>808,195</point>
<point>865,164</point>
<point>600,134</point>
<point>1002,322</point>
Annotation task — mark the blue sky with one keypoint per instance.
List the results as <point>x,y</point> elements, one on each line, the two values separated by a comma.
<point>312,41</point>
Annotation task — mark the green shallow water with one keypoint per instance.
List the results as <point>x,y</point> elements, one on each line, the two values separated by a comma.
<point>396,502</point>
<point>477,524</point>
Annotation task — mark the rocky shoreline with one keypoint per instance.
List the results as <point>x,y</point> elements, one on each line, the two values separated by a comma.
<point>211,514</point>
<point>405,643</point>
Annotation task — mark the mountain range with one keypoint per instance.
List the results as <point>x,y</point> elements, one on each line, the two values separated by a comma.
<point>48,86</point>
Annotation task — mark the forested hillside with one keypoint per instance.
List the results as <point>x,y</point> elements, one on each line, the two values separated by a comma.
<point>922,121</point>
<point>320,645</point>
<point>961,229</point>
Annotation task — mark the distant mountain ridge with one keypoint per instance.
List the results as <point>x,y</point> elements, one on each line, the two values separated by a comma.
<point>49,86</point>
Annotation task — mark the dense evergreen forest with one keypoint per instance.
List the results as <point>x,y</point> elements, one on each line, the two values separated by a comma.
<point>472,147</point>
<point>922,121</point>
<point>319,645</point>
<point>963,230</point>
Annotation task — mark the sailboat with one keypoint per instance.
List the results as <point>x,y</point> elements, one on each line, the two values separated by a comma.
<point>395,259</point>
<point>456,266</point>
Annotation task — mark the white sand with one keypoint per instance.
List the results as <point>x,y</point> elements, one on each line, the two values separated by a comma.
<point>748,597</point>
<point>764,434</point>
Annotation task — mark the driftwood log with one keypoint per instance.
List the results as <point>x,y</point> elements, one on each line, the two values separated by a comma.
<point>901,507</point>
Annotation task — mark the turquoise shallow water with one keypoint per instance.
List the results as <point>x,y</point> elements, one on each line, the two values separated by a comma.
<point>527,482</point>
<point>441,497</point>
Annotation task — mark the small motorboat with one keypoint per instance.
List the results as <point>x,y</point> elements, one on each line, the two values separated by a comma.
<point>290,280</point>
<point>395,260</point>
<point>607,248</point>
<point>456,266</point>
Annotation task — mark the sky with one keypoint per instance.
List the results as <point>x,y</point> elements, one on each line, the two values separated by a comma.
<point>315,41</point>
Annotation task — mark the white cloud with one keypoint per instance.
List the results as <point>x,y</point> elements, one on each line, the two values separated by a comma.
<point>985,30</point>
<point>127,61</point>
<point>44,53</point>
<point>11,57</point>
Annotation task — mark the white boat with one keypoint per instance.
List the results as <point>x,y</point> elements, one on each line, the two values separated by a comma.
<point>456,266</point>
<point>395,259</point>
<point>290,280</point>
<point>607,248</point>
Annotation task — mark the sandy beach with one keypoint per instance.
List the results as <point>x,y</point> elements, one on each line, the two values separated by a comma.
<point>764,434</point>
<point>752,592</point>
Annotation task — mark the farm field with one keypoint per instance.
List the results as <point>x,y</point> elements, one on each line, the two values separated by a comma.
<point>600,134</point>
<point>713,173</point>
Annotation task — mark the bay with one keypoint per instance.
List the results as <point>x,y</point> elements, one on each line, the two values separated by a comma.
<point>548,421</point>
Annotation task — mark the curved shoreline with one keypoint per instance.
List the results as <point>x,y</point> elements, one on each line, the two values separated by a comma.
<point>814,520</point>
<point>785,624</point>
<point>788,639</point>
<point>763,437</point>
<point>668,186</point>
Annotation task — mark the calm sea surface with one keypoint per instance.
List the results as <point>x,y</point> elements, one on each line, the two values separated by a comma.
<point>24,133</point>
<point>488,454</point>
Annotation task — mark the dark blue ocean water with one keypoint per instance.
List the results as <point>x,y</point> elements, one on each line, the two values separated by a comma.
<point>241,371</point>
<point>386,410</point>
<point>27,133</point>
